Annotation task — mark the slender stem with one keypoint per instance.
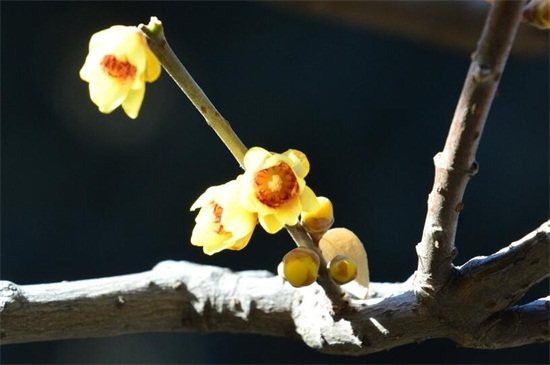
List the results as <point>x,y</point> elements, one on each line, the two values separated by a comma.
<point>160,47</point>
<point>456,164</point>
<point>178,72</point>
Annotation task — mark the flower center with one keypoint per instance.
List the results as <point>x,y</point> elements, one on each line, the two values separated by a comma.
<point>118,69</point>
<point>217,225</point>
<point>276,185</point>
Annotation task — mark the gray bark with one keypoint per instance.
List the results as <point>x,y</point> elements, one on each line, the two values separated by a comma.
<point>474,310</point>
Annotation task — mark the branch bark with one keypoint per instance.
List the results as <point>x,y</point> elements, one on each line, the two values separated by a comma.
<point>182,296</point>
<point>456,164</point>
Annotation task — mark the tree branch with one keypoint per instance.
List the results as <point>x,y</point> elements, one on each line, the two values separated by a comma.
<point>432,23</point>
<point>456,164</point>
<point>182,296</point>
<point>517,326</point>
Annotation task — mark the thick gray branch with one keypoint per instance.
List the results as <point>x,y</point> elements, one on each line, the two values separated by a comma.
<point>525,324</point>
<point>456,164</point>
<point>182,296</point>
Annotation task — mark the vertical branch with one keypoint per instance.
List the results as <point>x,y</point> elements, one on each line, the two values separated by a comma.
<point>456,164</point>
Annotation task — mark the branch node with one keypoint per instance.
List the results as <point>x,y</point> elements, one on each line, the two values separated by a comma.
<point>481,72</point>
<point>474,168</point>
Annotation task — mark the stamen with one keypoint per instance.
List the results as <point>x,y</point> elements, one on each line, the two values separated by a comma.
<point>276,185</point>
<point>122,70</point>
<point>217,218</point>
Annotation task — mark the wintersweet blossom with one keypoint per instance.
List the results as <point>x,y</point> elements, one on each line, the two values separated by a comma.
<point>274,187</point>
<point>117,66</point>
<point>222,223</point>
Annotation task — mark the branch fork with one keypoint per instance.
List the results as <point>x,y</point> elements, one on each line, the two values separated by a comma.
<point>456,164</point>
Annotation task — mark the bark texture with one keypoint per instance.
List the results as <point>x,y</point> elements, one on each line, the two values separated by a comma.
<point>456,163</point>
<point>475,309</point>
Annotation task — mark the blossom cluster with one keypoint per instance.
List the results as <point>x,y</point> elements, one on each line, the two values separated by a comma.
<point>272,192</point>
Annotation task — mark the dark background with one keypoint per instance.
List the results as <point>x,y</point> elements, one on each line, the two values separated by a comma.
<point>88,195</point>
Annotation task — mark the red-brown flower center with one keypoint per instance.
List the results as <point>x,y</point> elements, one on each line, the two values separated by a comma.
<point>276,185</point>
<point>118,69</point>
<point>217,225</point>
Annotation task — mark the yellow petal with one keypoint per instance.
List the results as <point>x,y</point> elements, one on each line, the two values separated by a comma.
<point>289,213</point>
<point>125,43</point>
<point>255,157</point>
<point>300,163</point>
<point>205,197</point>
<point>90,67</point>
<point>132,103</point>
<point>152,70</point>
<point>270,223</point>
<point>309,200</point>
<point>107,94</point>
<point>240,243</point>
<point>211,242</point>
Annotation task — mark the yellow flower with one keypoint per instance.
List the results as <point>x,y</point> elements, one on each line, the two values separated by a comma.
<point>274,187</point>
<point>222,223</point>
<point>118,64</point>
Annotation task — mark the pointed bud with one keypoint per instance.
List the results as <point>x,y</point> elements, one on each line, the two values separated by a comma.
<point>342,270</point>
<point>320,221</point>
<point>300,267</point>
<point>342,241</point>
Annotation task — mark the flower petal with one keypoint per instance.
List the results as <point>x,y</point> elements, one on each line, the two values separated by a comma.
<point>270,223</point>
<point>300,163</point>
<point>152,71</point>
<point>309,200</point>
<point>255,157</point>
<point>107,94</point>
<point>132,103</point>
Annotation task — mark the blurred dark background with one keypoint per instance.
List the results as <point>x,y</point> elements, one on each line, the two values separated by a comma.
<point>87,195</point>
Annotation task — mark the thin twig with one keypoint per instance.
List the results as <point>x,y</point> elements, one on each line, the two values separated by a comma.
<point>178,72</point>
<point>456,164</point>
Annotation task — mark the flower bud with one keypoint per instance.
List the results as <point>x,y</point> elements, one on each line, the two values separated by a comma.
<point>342,270</point>
<point>320,221</point>
<point>342,241</point>
<point>537,13</point>
<point>300,267</point>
